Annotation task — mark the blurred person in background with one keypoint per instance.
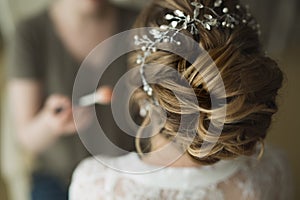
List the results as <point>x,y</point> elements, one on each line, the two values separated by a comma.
<point>45,56</point>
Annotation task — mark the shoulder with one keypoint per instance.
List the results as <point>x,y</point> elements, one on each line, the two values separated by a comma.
<point>275,171</point>
<point>33,25</point>
<point>273,161</point>
<point>97,177</point>
<point>267,178</point>
<point>91,166</point>
<point>89,180</point>
<point>97,165</point>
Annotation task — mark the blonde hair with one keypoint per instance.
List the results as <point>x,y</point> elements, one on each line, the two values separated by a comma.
<point>251,81</point>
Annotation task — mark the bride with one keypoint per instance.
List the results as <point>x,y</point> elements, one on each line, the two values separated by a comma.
<point>238,165</point>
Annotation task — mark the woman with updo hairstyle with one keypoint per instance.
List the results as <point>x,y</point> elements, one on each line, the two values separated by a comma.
<point>234,164</point>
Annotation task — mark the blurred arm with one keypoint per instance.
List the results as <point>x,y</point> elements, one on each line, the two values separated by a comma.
<point>25,100</point>
<point>37,125</point>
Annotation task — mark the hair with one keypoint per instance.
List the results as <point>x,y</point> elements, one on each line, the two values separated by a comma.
<point>251,81</point>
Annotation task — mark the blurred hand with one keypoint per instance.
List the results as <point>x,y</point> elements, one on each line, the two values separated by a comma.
<point>59,116</point>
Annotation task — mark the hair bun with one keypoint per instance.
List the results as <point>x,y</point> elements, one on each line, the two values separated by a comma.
<point>251,80</point>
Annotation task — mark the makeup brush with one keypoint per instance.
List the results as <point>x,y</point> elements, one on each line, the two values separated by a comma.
<point>102,96</point>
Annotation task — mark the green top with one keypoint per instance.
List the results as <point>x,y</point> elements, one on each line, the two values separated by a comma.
<point>38,53</point>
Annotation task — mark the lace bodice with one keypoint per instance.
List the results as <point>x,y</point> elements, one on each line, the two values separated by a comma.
<point>243,178</point>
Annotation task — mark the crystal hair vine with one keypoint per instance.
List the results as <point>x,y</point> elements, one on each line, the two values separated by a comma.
<point>179,21</point>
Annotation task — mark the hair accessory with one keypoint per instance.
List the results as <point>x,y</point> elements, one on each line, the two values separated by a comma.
<point>145,108</point>
<point>179,21</point>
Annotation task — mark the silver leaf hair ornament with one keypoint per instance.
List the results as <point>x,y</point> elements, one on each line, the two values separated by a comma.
<point>180,21</point>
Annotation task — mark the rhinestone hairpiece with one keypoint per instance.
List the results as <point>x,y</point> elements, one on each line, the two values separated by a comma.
<point>179,21</point>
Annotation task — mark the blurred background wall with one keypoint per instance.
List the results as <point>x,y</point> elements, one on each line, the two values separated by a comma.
<point>3,195</point>
<point>280,32</point>
<point>279,21</point>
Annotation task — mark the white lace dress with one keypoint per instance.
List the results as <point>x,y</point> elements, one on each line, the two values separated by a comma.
<point>243,178</point>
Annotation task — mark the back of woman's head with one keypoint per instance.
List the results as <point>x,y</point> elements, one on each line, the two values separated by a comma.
<point>251,79</point>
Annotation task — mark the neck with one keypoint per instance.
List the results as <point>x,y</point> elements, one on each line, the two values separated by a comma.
<point>165,153</point>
